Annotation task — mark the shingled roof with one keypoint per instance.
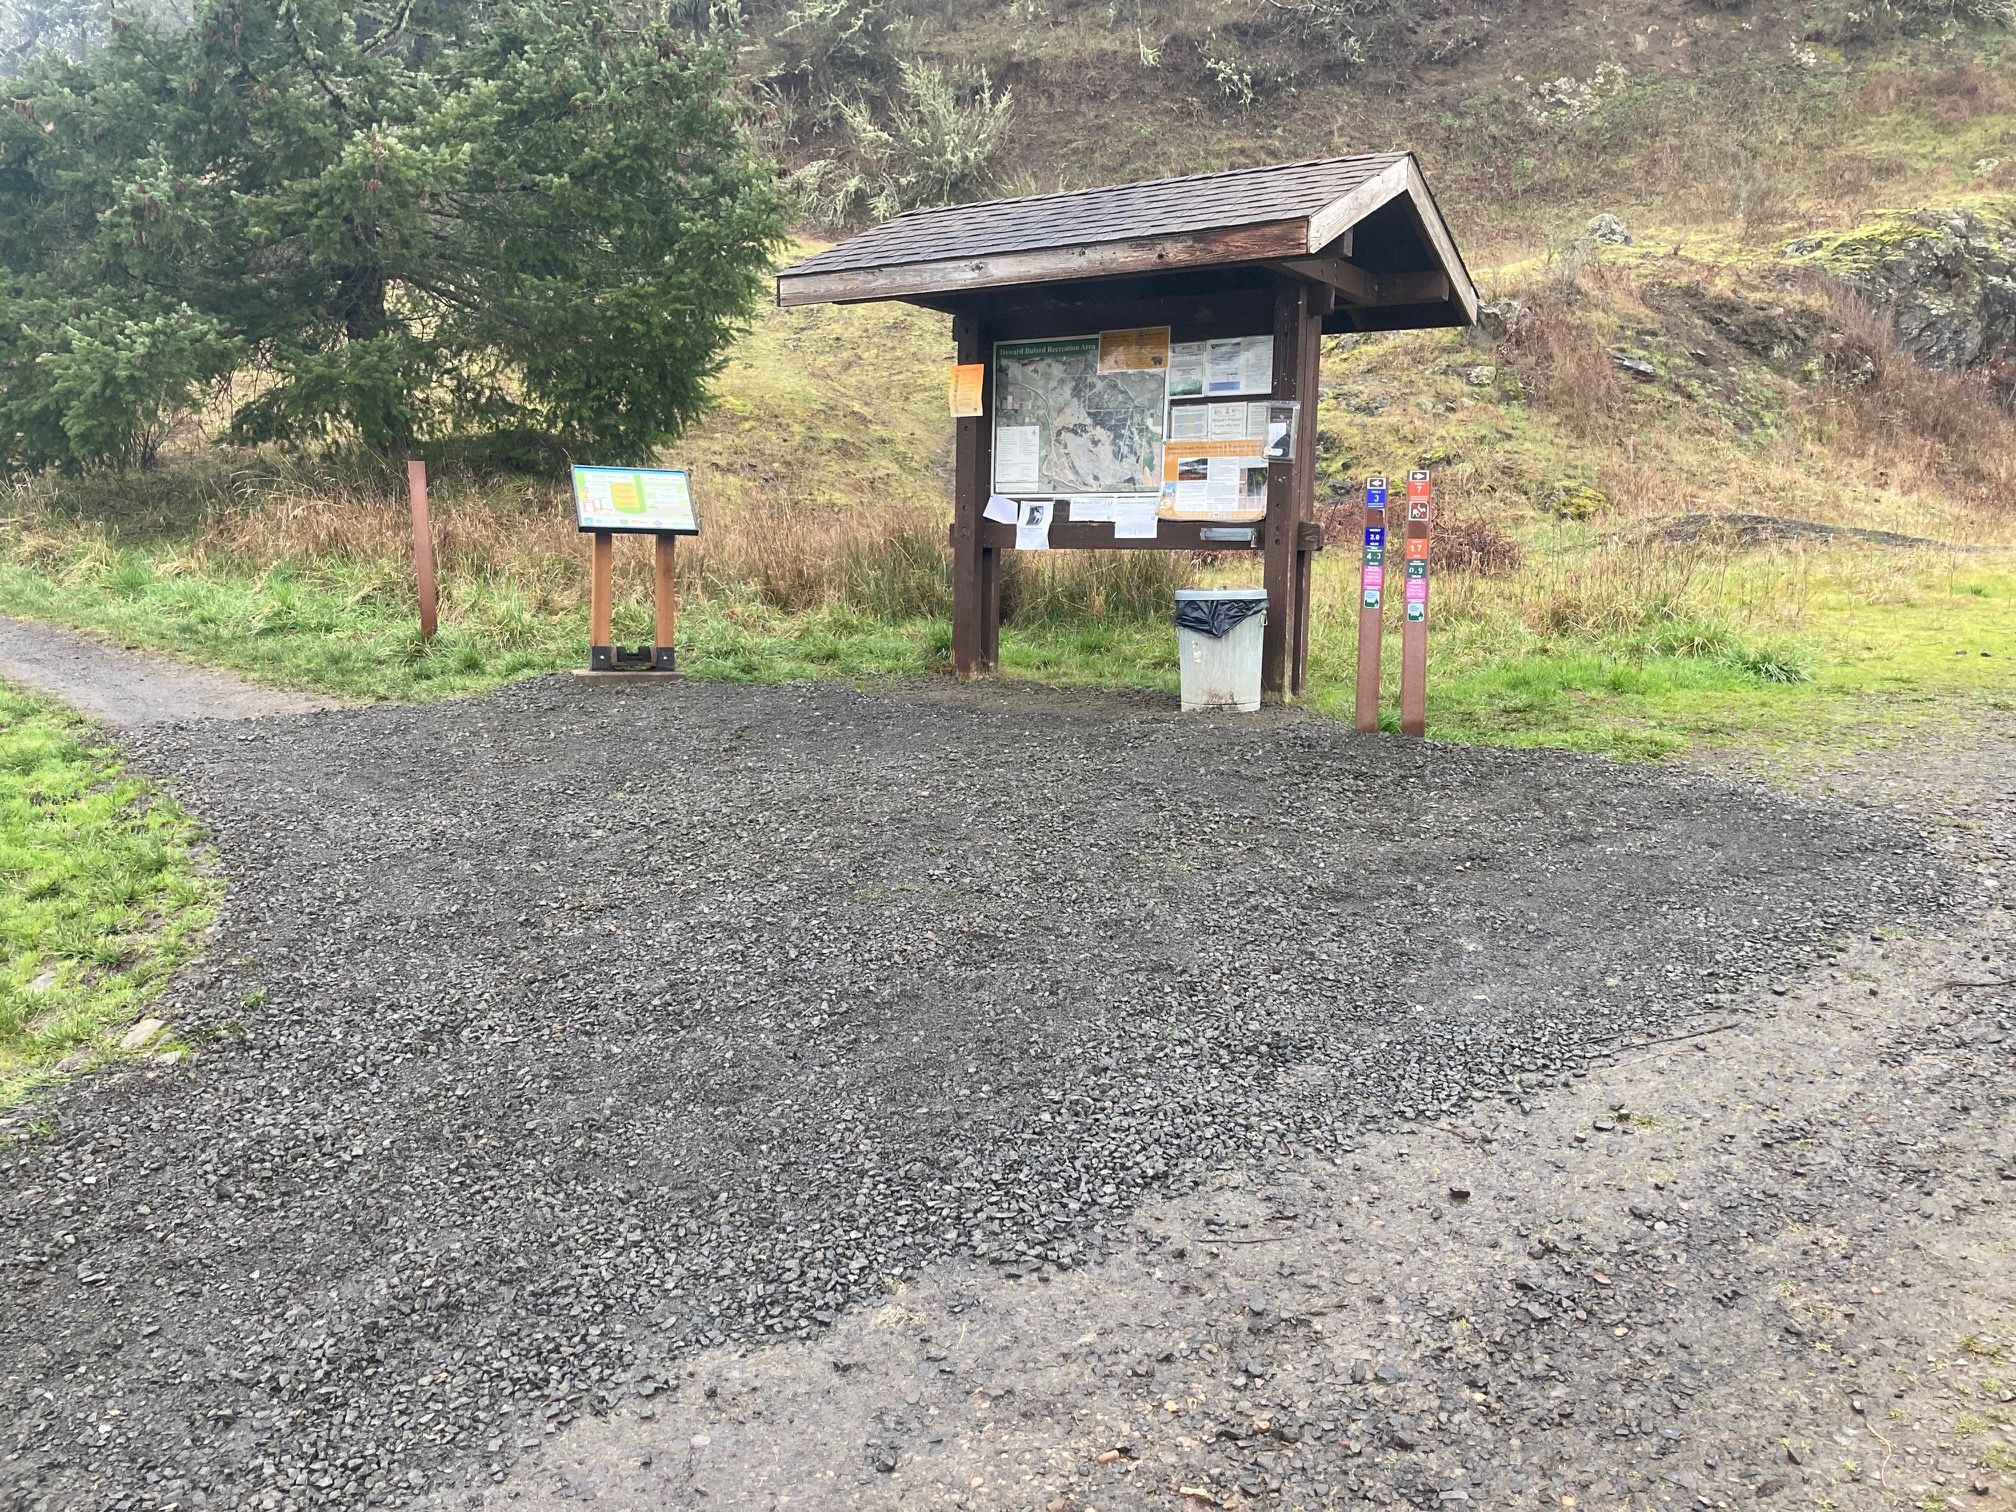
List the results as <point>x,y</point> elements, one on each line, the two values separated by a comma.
<point>1249,215</point>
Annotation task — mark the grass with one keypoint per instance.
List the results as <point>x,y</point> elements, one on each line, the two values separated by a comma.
<point>101,894</point>
<point>1577,651</point>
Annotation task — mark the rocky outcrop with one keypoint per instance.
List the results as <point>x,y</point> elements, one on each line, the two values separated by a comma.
<point>1948,277</point>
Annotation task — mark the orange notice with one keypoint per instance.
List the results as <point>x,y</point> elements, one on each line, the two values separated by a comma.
<point>969,384</point>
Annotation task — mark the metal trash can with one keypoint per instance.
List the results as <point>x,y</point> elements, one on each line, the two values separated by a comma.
<point>1218,637</point>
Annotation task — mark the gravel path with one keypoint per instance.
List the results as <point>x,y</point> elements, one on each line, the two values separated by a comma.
<point>1764,1266</point>
<point>550,1038</point>
<point>126,686</point>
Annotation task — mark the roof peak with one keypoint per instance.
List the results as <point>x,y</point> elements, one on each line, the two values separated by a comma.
<point>1155,183</point>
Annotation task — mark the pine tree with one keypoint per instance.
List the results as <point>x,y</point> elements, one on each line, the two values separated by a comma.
<point>378,226</point>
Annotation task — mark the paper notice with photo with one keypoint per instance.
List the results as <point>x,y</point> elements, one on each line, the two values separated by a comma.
<point>1017,453</point>
<point>1191,422</point>
<point>1032,527</point>
<point>1187,363</point>
<point>1134,517</point>
<point>1002,510</point>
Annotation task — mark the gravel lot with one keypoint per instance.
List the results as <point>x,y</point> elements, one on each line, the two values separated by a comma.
<point>551,1037</point>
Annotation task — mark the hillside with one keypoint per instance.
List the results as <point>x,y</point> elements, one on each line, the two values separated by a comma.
<point>1792,313</point>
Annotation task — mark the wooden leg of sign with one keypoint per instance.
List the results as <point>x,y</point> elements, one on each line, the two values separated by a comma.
<point>666,600</point>
<point>602,603</point>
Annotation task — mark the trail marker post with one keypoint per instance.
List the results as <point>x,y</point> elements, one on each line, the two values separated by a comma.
<point>423,548</point>
<point>1414,632</point>
<point>1371,606</point>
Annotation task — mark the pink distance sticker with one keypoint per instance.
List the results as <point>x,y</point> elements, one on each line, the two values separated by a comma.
<point>1375,577</point>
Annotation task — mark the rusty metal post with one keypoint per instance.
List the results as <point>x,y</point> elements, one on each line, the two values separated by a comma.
<point>423,548</point>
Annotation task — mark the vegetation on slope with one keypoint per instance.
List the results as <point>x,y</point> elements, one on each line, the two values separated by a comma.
<point>1622,392</point>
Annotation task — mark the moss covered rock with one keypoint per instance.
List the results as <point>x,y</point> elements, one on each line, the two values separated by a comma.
<point>1572,500</point>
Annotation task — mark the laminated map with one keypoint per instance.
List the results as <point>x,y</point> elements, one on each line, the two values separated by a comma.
<point>1062,427</point>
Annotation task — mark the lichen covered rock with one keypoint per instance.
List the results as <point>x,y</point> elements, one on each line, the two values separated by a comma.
<point>1947,276</point>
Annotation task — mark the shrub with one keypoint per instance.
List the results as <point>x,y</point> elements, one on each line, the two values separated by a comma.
<point>937,144</point>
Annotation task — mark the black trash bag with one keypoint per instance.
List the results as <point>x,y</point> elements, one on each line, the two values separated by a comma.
<point>1217,618</point>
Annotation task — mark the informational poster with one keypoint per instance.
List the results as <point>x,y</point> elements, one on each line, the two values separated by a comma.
<point>1186,369</point>
<point>969,390</point>
<point>1018,455</point>
<point>1143,350</point>
<point>1239,365</point>
<point>1064,428</point>
<point>1213,480</point>
<point>1002,509</point>
<point>634,501</point>
<point>1092,509</point>
<point>1190,422</point>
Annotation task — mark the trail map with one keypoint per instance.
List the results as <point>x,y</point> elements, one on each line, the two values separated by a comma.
<point>1063,427</point>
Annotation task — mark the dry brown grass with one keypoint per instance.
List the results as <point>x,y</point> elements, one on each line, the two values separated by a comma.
<point>1952,431</point>
<point>889,561</point>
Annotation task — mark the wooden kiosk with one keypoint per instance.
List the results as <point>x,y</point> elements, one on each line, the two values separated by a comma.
<point>1235,276</point>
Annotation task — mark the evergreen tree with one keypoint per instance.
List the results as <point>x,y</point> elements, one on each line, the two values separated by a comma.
<point>378,226</point>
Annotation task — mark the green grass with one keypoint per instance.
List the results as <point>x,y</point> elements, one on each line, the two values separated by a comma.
<point>101,895</point>
<point>1882,643</point>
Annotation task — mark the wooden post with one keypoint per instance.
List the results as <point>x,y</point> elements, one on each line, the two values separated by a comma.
<point>602,603</point>
<point>1414,633</point>
<point>1371,606</point>
<point>971,633</point>
<point>1293,305</point>
<point>666,600</point>
<point>423,547</point>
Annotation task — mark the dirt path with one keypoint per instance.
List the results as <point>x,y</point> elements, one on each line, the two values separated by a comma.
<point>126,686</point>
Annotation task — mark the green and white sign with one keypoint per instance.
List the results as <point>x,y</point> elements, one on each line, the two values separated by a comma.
<point>635,500</point>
